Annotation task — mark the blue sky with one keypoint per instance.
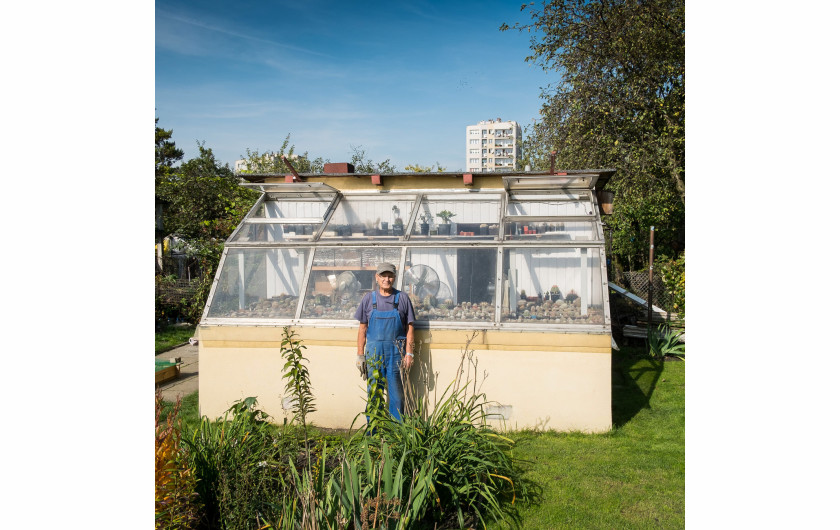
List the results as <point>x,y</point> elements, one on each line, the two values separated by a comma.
<point>400,79</point>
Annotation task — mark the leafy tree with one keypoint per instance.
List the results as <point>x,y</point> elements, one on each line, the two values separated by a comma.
<point>272,161</point>
<point>417,168</point>
<point>206,202</point>
<point>166,153</point>
<point>620,102</point>
<point>363,164</point>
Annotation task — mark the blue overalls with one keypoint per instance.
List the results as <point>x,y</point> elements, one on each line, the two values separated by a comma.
<point>384,329</point>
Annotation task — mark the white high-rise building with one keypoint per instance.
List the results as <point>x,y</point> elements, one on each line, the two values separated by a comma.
<point>492,146</point>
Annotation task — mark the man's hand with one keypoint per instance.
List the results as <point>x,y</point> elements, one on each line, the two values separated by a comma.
<point>407,361</point>
<point>361,364</point>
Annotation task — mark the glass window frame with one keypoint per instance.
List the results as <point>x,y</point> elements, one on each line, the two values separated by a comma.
<point>406,243</point>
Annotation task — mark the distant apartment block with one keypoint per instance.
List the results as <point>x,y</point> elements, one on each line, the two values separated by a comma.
<point>491,146</point>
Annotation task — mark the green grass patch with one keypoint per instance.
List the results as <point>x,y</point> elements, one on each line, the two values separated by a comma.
<point>188,413</point>
<point>631,477</point>
<point>172,336</point>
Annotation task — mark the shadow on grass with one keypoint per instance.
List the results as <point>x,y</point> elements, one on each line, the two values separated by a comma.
<point>634,378</point>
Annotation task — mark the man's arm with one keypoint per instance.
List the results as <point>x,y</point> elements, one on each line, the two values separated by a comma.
<point>360,354</point>
<point>409,347</point>
<point>362,338</point>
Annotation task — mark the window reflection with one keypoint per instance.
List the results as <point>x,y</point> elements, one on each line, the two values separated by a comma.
<point>358,218</point>
<point>452,284</point>
<point>557,286</point>
<point>259,283</point>
<point>440,218</point>
<point>339,279</point>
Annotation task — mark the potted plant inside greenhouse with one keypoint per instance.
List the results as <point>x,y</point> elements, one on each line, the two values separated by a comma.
<point>425,219</point>
<point>445,227</point>
<point>398,226</point>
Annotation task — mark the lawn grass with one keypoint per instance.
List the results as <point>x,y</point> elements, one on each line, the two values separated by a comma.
<point>631,477</point>
<point>188,412</point>
<point>171,337</point>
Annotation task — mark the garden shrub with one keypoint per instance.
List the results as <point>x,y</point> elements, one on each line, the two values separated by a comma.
<point>238,461</point>
<point>665,342</point>
<point>176,501</point>
<point>673,276</point>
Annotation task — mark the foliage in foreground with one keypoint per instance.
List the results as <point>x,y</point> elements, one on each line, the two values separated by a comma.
<point>442,466</point>
<point>237,460</point>
<point>630,477</point>
<point>176,503</point>
<point>665,342</point>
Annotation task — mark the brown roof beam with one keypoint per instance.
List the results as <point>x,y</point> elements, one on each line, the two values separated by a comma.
<point>294,176</point>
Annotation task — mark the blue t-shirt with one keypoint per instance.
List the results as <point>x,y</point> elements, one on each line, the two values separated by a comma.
<point>385,303</point>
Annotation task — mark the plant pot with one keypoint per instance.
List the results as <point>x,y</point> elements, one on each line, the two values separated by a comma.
<point>605,201</point>
<point>424,229</point>
<point>399,230</point>
<point>385,226</point>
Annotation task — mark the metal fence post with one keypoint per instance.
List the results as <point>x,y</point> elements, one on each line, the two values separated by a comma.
<point>650,285</point>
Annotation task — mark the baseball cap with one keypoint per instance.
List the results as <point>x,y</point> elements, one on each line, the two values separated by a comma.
<point>386,267</point>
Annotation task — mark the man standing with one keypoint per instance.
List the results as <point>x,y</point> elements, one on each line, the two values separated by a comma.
<point>386,328</point>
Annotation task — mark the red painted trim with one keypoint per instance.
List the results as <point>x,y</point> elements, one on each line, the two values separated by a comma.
<point>376,180</point>
<point>468,179</point>
<point>290,178</point>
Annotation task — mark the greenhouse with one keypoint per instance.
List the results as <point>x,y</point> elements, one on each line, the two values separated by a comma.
<point>514,261</point>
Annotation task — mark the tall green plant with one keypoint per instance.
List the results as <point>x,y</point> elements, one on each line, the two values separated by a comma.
<point>376,489</point>
<point>298,386</point>
<point>463,466</point>
<point>376,409</point>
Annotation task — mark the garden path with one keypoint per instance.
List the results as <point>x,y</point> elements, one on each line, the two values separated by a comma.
<point>187,382</point>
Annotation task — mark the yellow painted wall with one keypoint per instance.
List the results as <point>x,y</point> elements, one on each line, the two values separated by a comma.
<point>556,381</point>
<point>412,182</point>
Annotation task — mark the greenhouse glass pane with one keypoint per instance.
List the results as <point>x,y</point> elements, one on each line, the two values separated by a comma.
<point>549,206</point>
<point>455,284</point>
<point>307,206</point>
<point>366,217</point>
<point>259,283</point>
<point>557,286</point>
<point>339,279</point>
<point>474,219</point>
<point>269,232</point>
<point>538,231</point>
